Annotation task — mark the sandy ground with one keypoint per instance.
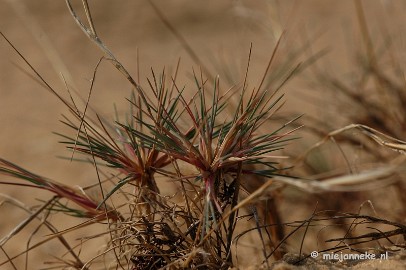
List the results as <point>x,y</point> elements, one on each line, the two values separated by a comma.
<point>220,32</point>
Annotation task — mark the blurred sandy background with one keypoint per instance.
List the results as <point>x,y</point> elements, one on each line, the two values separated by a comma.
<point>220,32</point>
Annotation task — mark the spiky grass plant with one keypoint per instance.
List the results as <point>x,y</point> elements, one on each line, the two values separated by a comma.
<point>206,147</point>
<point>195,144</point>
<point>154,141</point>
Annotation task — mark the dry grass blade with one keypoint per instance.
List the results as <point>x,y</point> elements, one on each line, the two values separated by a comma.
<point>359,181</point>
<point>365,180</point>
<point>42,38</point>
<point>93,36</point>
<point>29,219</point>
<point>24,223</point>
<point>182,40</point>
<point>61,190</point>
<point>379,137</point>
